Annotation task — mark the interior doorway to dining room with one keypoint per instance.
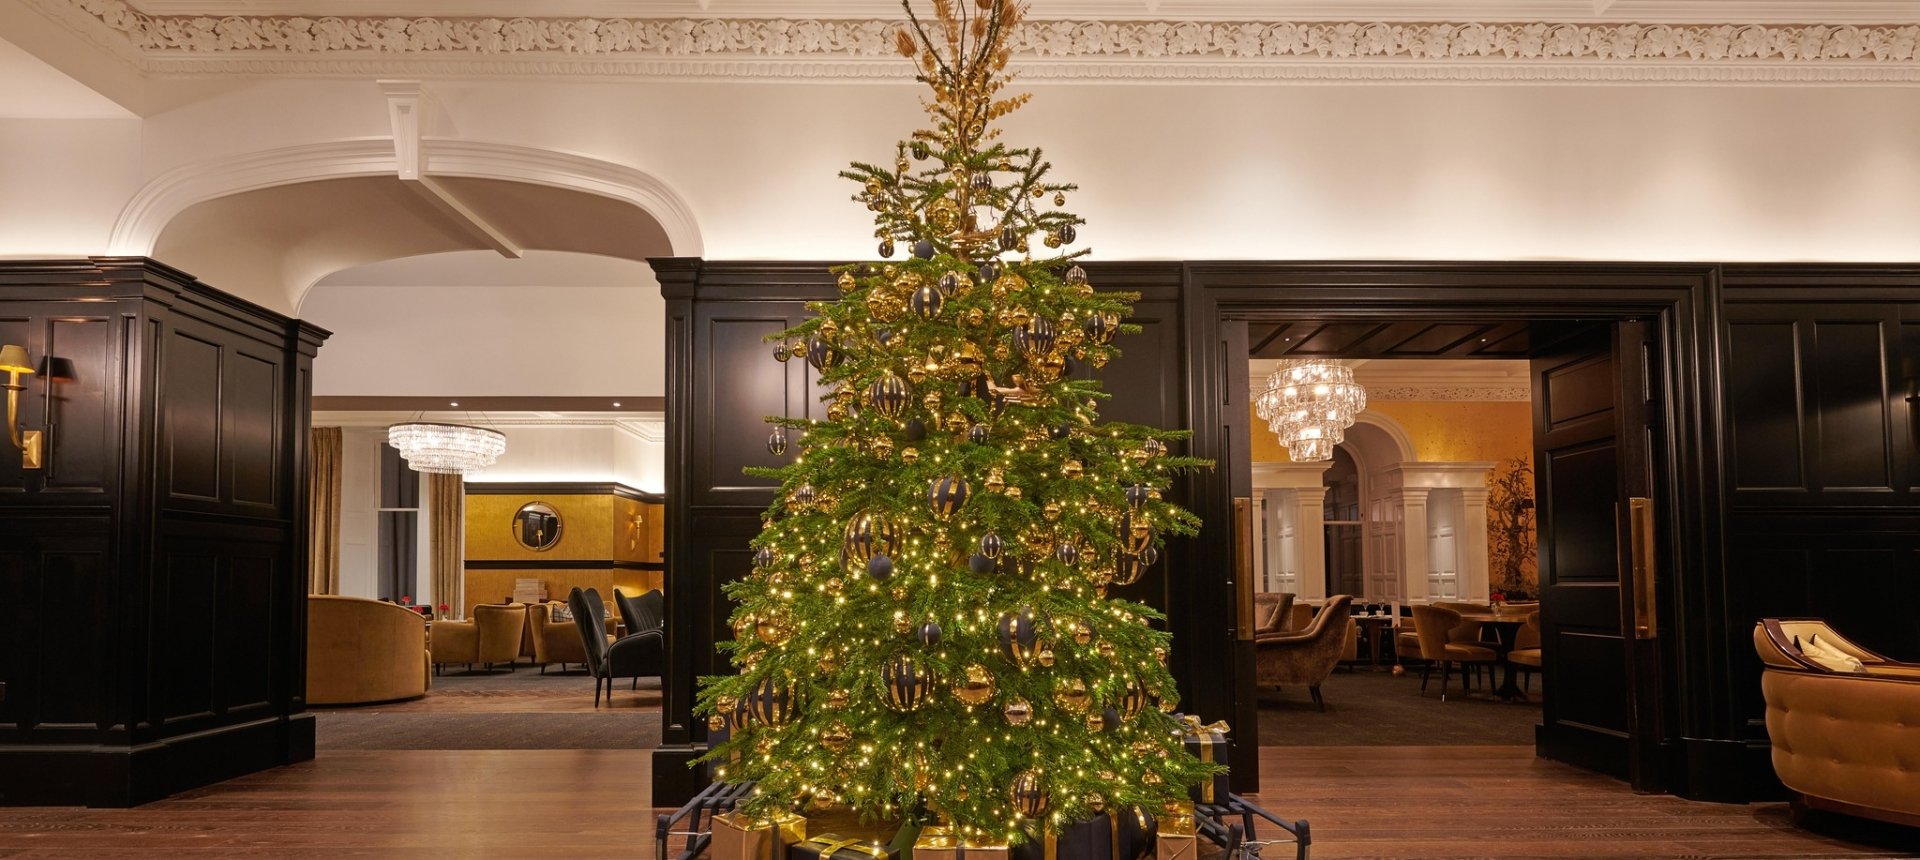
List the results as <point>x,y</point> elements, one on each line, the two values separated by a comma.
<point>1436,571</point>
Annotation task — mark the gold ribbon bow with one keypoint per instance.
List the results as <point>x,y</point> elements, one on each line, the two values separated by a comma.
<point>832,843</point>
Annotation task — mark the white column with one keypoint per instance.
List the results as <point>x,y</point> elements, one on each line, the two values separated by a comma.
<point>1412,503</point>
<point>1472,540</point>
<point>1310,536</point>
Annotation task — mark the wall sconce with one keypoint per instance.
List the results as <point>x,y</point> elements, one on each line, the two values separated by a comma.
<point>13,362</point>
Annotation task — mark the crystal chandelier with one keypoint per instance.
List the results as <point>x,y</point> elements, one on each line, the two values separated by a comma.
<point>1309,404</point>
<point>447,449</point>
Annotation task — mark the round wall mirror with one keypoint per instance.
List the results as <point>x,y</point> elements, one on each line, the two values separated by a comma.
<point>536,526</point>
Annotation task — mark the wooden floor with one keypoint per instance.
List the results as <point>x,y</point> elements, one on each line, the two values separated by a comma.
<point>1373,802</point>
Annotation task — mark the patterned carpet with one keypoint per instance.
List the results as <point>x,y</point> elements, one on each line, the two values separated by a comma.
<point>515,710</point>
<point>1367,708</point>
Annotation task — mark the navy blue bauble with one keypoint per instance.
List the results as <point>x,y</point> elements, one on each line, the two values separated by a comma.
<point>923,250</point>
<point>1068,553</point>
<point>821,353</point>
<point>763,557</point>
<point>1009,238</point>
<point>1067,235</point>
<point>949,284</point>
<point>1109,719</point>
<point>980,564</point>
<point>926,302</point>
<point>1019,636</point>
<point>977,434</point>
<point>1137,496</point>
<point>886,247</point>
<point>880,567</point>
<point>1060,431</point>
<point>929,634</point>
<point>777,442</point>
<point>916,429</point>
<point>989,272</point>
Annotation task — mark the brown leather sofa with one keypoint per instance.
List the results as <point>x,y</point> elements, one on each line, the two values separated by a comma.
<point>1308,656</point>
<point>1843,741</point>
<point>492,635</point>
<point>361,650</point>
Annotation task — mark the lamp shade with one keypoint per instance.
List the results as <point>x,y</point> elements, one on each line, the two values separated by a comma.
<point>13,359</point>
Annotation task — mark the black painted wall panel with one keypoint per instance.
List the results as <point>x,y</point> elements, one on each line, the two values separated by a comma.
<point>1764,403</point>
<point>192,384</point>
<point>250,427</point>
<point>1851,404</point>
<point>81,455</point>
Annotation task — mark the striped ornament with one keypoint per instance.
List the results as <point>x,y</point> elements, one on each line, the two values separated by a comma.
<point>946,494</point>
<point>888,395</point>
<point>908,684</point>
<point>870,534</point>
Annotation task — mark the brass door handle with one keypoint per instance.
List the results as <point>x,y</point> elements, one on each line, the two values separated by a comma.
<point>1646,623</point>
<point>1243,566</point>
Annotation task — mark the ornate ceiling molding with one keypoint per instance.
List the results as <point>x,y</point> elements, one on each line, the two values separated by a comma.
<point>1224,51</point>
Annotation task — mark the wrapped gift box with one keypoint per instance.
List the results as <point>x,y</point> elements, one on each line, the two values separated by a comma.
<point>1209,743</point>
<point>832,846</point>
<point>737,837</point>
<point>940,843</point>
<point>1124,834</point>
<point>1176,839</point>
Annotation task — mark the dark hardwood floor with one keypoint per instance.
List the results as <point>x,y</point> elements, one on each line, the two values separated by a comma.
<point>1363,802</point>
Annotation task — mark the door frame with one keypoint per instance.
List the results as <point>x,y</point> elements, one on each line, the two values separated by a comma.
<point>1679,299</point>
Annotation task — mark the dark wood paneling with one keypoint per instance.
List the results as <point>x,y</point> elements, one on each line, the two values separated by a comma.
<point>1763,401</point>
<point>81,447</point>
<point>192,410</point>
<point>155,635</point>
<point>1849,377</point>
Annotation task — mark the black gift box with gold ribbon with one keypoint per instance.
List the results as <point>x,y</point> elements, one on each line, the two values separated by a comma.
<point>1123,834</point>
<point>831,846</point>
<point>1210,744</point>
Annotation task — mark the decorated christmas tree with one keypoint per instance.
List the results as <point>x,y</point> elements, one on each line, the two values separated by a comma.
<point>926,633</point>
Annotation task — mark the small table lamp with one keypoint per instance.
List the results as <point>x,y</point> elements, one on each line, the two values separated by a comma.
<point>13,362</point>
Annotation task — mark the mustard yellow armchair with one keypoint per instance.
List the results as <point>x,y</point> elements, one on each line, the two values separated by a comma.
<point>361,650</point>
<point>491,636</point>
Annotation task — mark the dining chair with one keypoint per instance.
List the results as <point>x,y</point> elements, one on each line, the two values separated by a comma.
<point>1525,655</point>
<point>1434,625</point>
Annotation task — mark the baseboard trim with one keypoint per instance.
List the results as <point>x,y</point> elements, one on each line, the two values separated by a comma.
<point>107,775</point>
<point>1729,771</point>
<point>675,780</point>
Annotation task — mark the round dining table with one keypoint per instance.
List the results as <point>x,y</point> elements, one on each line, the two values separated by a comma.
<point>1506,627</point>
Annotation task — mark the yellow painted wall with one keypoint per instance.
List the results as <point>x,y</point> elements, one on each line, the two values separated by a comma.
<point>592,527</point>
<point>1441,431</point>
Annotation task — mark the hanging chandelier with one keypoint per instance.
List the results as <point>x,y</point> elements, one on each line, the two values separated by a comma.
<point>446,449</point>
<point>1309,404</point>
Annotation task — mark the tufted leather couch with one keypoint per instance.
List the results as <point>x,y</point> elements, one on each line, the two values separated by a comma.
<point>1842,741</point>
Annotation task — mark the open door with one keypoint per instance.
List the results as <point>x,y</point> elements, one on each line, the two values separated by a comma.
<point>1595,404</point>
<point>1236,441</point>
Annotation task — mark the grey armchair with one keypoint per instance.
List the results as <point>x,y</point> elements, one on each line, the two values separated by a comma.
<point>639,654</point>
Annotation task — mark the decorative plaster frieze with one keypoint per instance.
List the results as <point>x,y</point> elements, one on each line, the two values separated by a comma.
<point>1450,392</point>
<point>1227,51</point>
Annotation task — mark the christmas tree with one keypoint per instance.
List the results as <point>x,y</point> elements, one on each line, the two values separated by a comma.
<point>926,633</point>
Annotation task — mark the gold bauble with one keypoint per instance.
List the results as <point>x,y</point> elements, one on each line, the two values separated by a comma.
<point>836,412</point>
<point>847,284</point>
<point>1105,648</point>
<point>899,592</point>
<point>943,214</point>
<point>799,348</point>
<point>1001,352</point>
<point>1082,632</point>
<point>765,744</point>
<point>975,316</point>
<point>1051,512</point>
<point>1160,654</point>
<point>750,658</point>
<point>1053,240</point>
<point>716,723</point>
<point>1095,722</point>
<point>910,455</point>
<point>824,800</point>
<point>1167,706</point>
<point>1022,247</point>
<point>1060,199</point>
<point>1072,469</point>
<point>836,736</point>
<point>829,663</point>
<point>883,447</point>
<point>1072,694</point>
<point>1150,778</point>
<point>1018,712</point>
<point>834,585</point>
<point>916,375</point>
<point>1044,657</point>
<point>902,165</point>
<point>901,623</point>
<point>996,481</point>
<point>837,699</point>
<point>885,305</point>
<point>1143,748</point>
<point>1008,282</point>
<point>1098,360</point>
<point>1013,492</point>
<point>975,686</point>
<point>771,631</point>
<point>1095,803</point>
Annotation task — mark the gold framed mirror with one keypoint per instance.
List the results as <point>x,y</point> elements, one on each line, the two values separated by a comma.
<point>536,526</point>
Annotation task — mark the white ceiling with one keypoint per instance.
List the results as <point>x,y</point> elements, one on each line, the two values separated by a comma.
<point>1497,377</point>
<point>29,88</point>
<point>1880,11</point>
<point>489,269</point>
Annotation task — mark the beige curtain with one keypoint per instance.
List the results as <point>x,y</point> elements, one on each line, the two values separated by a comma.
<point>447,501</point>
<point>323,512</point>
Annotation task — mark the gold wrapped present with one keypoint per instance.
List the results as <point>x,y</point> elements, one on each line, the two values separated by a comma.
<point>737,837</point>
<point>941,843</point>
<point>1177,840</point>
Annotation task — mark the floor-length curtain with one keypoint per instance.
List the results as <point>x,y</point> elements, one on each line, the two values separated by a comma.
<point>447,500</point>
<point>323,507</point>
